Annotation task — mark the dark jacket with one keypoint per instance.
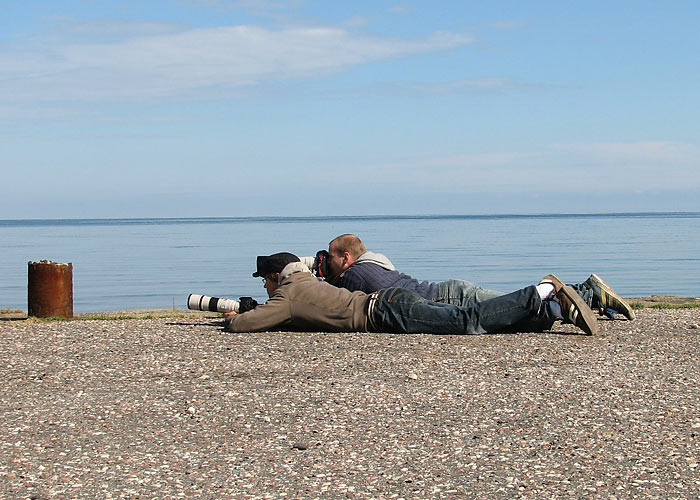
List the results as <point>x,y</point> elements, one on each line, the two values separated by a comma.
<point>373,271</point>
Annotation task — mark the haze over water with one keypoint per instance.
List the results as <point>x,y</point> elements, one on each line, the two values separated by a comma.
<point>156,263</point>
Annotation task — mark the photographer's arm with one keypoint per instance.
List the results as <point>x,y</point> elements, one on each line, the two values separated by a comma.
<point>274,313</point>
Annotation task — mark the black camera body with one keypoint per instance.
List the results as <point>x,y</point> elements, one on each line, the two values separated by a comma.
<point>321,264</point>
<point>246,304</point>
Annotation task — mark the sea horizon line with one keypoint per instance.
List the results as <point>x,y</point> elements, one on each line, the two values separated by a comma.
<point>317,218</point>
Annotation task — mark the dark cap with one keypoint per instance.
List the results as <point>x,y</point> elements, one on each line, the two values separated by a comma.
<point>272,264</point>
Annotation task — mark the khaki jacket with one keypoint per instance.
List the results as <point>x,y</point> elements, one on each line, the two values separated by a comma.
<point>303,302</point>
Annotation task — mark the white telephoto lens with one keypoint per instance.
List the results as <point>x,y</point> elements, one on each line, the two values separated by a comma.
<point>199,302</point>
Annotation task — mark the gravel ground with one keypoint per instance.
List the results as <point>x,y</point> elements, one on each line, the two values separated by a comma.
<point>173,408</point>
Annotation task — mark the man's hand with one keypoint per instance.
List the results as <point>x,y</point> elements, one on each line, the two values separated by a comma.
<point>228,317</point>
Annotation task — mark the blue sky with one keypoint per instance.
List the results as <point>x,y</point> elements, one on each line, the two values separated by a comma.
<point>273,107</point>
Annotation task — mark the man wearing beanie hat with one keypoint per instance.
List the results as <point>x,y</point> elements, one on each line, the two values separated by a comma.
<point>298,300</point>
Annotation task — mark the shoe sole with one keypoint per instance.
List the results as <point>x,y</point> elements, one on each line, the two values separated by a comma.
<point>578,310</point>
<point>607,292</point>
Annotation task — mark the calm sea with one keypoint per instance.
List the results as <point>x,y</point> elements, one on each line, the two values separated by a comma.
<point>156,263</point>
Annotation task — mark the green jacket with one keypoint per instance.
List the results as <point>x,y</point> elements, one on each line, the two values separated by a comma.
<point>302,302</point>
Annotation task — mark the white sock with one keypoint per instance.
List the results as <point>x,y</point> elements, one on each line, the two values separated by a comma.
<point>545,290</point>
<point>555,308</point>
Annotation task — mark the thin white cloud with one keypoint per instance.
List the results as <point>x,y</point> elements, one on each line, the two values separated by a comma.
<point>650,151</point>
<point>475,85</point>
<point>109,30</point>
<point>193,62</point>
<point>594,167</point>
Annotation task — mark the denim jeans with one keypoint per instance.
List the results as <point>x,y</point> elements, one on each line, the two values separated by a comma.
<point>586,293</point>
<point>465,294</point>
<point>461,293</point>
<point>403,311</point>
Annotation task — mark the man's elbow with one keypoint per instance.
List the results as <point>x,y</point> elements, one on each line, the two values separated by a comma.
<point>228,324</point>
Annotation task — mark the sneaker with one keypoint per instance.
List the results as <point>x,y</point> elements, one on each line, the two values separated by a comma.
<point>573,308</point>
<point>609,302</point>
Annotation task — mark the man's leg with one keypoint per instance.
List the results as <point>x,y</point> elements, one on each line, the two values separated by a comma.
<point>594,291</point>
<point>403,311</point>
<point>461,293</point>
<point>585,292</point>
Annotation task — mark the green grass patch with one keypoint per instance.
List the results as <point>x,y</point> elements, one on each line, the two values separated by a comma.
<point>110,317</point>
<point>675,306</point>
<point>128,315</point>
<point>664,305</point>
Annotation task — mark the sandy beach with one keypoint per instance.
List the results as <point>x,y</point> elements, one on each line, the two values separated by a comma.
<point>178,408</point>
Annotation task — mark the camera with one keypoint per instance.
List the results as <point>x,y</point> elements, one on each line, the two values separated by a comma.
<point>317,264</point>
<point>199,302</point>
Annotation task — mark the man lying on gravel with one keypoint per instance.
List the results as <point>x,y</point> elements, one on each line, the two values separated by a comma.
<point>298,300</point>
<point>349,265</point>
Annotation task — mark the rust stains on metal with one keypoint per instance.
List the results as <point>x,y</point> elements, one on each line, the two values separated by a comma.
<point>50,289</point>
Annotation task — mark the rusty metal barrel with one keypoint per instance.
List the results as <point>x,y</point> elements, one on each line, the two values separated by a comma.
<point>50,289</point>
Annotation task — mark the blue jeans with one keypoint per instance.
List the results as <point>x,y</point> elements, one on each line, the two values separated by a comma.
<point>461,293</point>
<point>464,293</point>
<point>403,311</point>
<point>586,294</point>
